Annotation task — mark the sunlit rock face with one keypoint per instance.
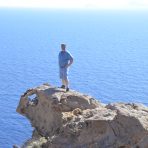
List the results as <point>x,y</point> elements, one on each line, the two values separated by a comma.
<point>74,120</point>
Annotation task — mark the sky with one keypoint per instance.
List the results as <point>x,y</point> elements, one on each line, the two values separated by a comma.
<point>78,4</point>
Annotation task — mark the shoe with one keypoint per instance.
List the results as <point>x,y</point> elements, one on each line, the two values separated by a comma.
<point>63,86</point>
<point>67,89</point>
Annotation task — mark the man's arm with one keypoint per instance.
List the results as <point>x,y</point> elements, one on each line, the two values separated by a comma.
<point>71,61</point>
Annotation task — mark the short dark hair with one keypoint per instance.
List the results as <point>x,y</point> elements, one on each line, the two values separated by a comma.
<point>63,45</point>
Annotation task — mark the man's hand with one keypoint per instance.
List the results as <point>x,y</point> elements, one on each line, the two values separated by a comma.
<point>67,66</point>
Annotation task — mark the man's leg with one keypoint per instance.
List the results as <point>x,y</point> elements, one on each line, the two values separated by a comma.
<point>61,77</point>
<point>65,77</point>
<point>66,83</point>
<point>63,83</point>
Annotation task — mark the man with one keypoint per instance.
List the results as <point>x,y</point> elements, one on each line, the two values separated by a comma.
<point>65,60</point>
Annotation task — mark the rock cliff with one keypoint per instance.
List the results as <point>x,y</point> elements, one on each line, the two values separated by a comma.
<point>75,120</point>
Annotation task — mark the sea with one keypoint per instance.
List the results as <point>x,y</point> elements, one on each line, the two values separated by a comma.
<point>110,50</point>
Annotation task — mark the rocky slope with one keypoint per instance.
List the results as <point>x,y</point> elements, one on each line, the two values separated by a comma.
<point>74,120</point>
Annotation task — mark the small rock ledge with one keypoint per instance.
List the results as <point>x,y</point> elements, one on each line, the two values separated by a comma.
<point>75,120</point>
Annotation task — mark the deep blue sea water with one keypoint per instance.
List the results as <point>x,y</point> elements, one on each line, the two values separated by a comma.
<point>110,50</point>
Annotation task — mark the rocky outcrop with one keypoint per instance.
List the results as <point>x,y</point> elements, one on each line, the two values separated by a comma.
<point>74,120</point>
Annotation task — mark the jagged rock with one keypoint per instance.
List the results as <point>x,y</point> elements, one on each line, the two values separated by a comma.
<point>74,120</point>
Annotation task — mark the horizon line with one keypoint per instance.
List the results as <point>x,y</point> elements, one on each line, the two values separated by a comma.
<point>76,8</point>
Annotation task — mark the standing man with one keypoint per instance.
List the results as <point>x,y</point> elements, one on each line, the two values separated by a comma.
<point>65,60</point>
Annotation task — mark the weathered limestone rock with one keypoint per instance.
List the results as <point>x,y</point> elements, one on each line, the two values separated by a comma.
<point>74,120</point>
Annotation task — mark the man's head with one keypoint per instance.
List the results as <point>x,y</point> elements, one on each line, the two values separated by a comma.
<point>63,47</point>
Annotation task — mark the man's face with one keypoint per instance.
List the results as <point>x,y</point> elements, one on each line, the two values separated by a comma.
<point>63,47</point>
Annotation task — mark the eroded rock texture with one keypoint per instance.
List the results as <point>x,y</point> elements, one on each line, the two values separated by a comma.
<point>74,120</point>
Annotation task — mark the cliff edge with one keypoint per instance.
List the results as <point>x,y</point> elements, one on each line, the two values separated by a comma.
<point>75,120</point>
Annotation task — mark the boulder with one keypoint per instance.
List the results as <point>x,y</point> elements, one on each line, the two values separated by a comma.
<point>74,120</point>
